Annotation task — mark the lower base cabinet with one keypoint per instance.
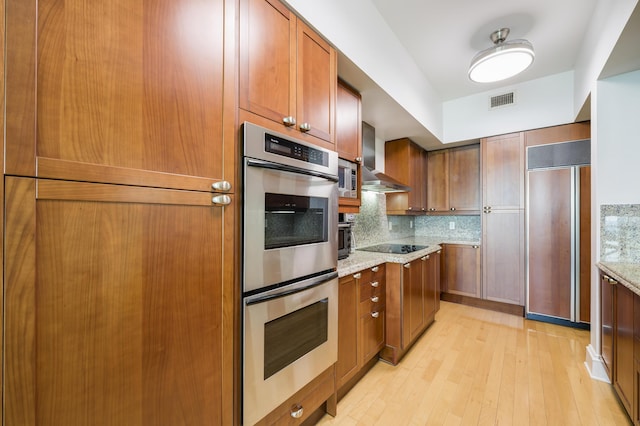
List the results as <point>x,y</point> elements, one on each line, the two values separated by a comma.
<point>624,347</point>
<point>361,322</point>
<point>461,270</point>
<point>412,290</point>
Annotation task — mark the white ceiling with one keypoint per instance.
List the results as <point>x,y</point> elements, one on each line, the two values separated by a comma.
<point>443,36</point>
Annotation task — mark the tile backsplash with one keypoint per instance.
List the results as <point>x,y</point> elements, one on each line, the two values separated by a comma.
<point>373,226</point>
<point>620,233</point>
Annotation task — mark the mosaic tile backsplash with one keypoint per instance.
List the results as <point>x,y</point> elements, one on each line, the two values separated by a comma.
<point>620,233</point>
<point>373,226</point>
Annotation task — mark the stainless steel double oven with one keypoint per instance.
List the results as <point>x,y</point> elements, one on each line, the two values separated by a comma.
<point>290,282</point>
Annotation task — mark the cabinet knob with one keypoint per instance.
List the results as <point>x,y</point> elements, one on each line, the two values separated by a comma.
<point>423,258</point>
<point>305,127</point>
<point>410,208</point>
<point>357,276</point>
<point>475,247</point>
<point>289,121</point>
<point>297,411</point>
<point>375,299</point>
<point>439,251</point>
<point>452,209</point>
<point>407,265</point>
<point>358,159</point>
<point>375,314</point>
<point>375,269</point>
<point>223,185</point>
<point>423,209</point>
<point>375,284</point>
<point>221,200</point>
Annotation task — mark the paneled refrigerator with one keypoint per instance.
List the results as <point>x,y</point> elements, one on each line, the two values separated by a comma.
<point>558,233</point>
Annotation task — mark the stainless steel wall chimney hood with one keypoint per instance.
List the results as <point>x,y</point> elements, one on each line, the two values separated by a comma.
<point>373,180</point>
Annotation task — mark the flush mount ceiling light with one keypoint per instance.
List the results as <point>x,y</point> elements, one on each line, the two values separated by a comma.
<point>503,60</point>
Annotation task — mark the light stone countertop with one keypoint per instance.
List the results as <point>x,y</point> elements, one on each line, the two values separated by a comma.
<point>627,274</point>
<point>360,260</point>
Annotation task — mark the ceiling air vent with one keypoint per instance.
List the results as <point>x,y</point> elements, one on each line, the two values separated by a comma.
<point>502,100</point>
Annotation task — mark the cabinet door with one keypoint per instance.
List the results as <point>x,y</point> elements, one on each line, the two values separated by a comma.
<point>438,181</point>
<point>464,178</point>
<point>503,172</point>
<point>117,92</point>
<point>347,329</point>
<point>431,278</point>
<point>624,368</point>
<point>503,256</point>
<point>316,84</point>
<point>267,59</point>
<point>114,305</point>
<point>348,124</point>
<point>372,333</point>
<point>415,301</point>
<point>606,312</point>
<point>417,201</point>
<point>462,270</point>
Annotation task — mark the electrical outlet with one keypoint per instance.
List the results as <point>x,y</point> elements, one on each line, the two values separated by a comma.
<point>390,226</point>
<point>452,225</point>
<point>410,224</point>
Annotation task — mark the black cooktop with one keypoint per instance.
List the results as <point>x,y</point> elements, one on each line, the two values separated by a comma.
<point>394,248</point>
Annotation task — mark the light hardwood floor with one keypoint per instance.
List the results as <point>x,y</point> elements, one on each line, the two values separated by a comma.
<point>479,367</point>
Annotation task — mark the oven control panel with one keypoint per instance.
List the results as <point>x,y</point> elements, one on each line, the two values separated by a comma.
<point>287,148</point>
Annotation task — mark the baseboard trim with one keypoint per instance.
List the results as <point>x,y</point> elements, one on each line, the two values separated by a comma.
<point>491,305</point>
<point>595,366</point>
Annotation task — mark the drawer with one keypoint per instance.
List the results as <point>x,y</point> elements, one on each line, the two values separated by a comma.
<point>304,402</point>
<point>374,303</point>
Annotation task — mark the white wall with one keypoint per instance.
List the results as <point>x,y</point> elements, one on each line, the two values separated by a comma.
<point>543,102</point>
<point>615,159</point>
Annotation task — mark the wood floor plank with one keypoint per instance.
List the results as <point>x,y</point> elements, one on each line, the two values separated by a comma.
<point>479,367</point>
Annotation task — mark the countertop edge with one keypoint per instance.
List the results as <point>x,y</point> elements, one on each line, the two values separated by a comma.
<point>627,274</point>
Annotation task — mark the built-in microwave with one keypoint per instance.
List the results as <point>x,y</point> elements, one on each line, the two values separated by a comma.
<point>347,179</point>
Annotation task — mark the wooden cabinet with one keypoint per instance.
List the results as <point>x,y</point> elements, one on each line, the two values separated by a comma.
<point>411,304</point>
<point>503,244</point>
<point>288,73</point>
<point>620,310</point>
<point>461,270</point>
<point>361,323</point>
<point>623,335</point>
<point>453,180</point>
<point>349,138</point>
<point>115,297</point>
<point>406,162</point>
<point>121,93</point>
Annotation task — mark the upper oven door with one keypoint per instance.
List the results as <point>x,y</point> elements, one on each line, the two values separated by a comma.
<point>290,224</point>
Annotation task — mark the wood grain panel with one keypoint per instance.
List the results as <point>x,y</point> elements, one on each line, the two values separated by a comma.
<point>316,83</point>
<point>624,366</point>
<point>20,77</point>
<point>549,242</point>
<point>438,180</point>
<point>2,140</point>
<point>129,84</point>
<point>503,255</point>
<point>464,178</point>
<point>348,355</point>
<point>461,273</point>
<point>348,122</point>
<point>565,133</point>
<point>503,171</point>
<point>124,301</point>
<point>267,65</point>
<point>606,329</point>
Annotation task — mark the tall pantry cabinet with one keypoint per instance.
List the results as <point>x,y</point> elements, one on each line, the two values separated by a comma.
<point>119,207</point>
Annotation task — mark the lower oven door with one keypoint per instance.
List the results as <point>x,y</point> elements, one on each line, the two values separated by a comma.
<point>290,224</point>
<point>290,337</point>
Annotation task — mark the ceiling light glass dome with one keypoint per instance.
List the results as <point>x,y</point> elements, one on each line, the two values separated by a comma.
<point>505,59</point>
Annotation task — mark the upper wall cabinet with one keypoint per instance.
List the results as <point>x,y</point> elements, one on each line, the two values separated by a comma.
<point>127,92</point>
<point>288,74</point>
<point>453,180</point>
<point>348,124</point>
<point>406,162</point>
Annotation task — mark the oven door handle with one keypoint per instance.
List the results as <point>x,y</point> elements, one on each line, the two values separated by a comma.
<point>290,289</point>
<point>291,169</point>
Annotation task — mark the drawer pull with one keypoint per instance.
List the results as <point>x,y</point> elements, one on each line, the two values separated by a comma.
<point>223,185</point>
<point>407,265</point>
<point>305,127</point>
<point>357,276</point>
<point>375,299</point>
<point>221,200</point>
<point>289,121</point>
<point>297,411</point>
<point>375,284</point>
<point>375,269</point>
<point>375,314</point>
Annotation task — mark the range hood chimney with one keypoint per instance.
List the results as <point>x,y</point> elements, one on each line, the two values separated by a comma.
<point>373,180</point>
